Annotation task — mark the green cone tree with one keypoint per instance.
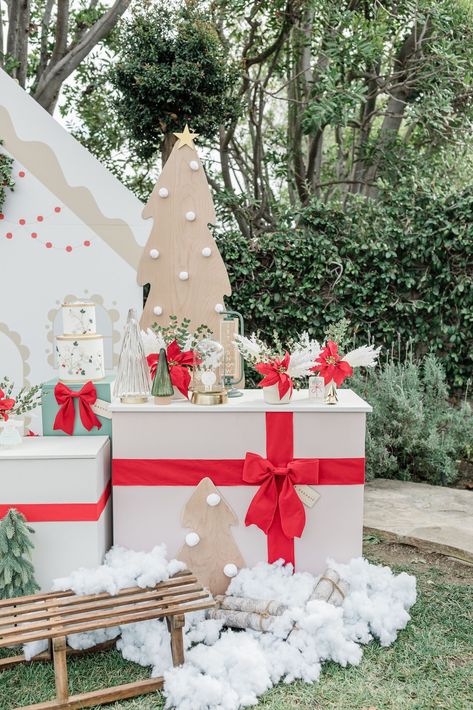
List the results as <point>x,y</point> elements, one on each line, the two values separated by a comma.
<point>16,570</point>
<point>162,385</point>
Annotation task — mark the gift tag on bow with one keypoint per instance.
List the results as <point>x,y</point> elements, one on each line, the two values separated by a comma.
<point>102,408</point>
<point>307,494</point>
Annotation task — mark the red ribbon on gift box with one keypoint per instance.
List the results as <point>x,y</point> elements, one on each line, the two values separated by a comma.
<point>60,512</point>
<point>66,415</point>
<point>276,508</point>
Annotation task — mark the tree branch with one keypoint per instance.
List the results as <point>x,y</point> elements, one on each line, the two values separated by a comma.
<point>51,80</point>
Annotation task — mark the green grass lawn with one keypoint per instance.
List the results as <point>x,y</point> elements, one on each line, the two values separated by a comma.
<point>429,666</point>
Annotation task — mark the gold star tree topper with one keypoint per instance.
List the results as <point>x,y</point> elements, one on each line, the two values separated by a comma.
<point>186,137</point>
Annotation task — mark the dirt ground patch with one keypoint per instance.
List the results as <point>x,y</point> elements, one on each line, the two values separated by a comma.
<point>395,555</point>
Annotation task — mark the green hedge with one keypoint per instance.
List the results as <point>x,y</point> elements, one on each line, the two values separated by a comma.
<point>399,269</point>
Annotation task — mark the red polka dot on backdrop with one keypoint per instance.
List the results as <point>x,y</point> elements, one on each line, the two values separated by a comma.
<point>48,245</point>
<point>68,248</point>
<point>22,221</point>
<point>34,235</point>
<point>57,209</point>
<point>21,173</point>
<point>87,243</point>
<point>9,235</point>
<point>2,216</point>
<point>40,218</point>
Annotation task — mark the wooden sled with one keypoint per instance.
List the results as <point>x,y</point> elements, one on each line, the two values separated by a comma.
<point>56,615</point>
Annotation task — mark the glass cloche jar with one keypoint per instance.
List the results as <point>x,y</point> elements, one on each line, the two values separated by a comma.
<point>208,370</point>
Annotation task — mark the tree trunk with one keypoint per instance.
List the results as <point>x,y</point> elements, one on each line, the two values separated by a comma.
<point>167,146</point>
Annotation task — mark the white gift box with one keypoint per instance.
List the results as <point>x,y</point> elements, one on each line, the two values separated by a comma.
<point>157,449</point>
<point>62,486</point>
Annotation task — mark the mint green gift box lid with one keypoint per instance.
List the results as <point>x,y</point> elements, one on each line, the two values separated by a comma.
<point>49,408</point>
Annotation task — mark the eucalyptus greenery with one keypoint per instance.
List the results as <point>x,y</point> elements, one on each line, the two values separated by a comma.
<point>27,399</point>
<point>179,331</point>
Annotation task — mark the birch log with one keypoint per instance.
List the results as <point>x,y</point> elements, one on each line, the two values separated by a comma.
<point>330,588</point>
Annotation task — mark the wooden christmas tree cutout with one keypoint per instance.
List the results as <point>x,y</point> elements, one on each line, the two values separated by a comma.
<point>210,547</point>
<point>181,261</point>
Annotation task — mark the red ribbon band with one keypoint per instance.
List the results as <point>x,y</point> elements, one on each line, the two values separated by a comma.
<point>60,512</point>
<point>276,508</point>
<point>65,418</point>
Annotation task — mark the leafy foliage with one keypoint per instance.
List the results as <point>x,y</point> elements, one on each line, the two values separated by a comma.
<point>27,399</point>
<point>414,432</point>
<point>180,332</point>
<point>170,71</point>
<point>16,571</point>
<point>397,268</point>
<point>6,180</point>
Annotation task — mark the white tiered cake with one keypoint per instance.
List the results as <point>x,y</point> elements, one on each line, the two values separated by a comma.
<point>79,350</point>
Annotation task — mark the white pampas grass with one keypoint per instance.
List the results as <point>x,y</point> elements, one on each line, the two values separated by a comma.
<point>251,348</point>
<point>152,342</point>
<point>302,357</point>
<point>365,356</point>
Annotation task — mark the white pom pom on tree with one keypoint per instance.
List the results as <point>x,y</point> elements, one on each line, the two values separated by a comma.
<point>180,261</point>
<point>215,558</point>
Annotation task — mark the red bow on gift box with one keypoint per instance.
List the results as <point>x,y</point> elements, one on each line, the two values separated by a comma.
<point>66,415</point>
<point>276,493</point>
<point>179,362</point>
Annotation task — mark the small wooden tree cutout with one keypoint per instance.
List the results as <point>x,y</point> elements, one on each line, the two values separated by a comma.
<point>210,547</point>
<point>181,261</point>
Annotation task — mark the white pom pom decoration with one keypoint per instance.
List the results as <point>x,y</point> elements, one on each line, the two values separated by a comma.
<point>219,308</point>
<point>163,192</point>
<point>154,253</point>
<point>157,310</point>
<point>192,539</point>
<point>230,570</point>
<point>194,165</point>
<point>206,251</point>
<point>190,216</point>
<point>183,275</point>
<point>213,499</point>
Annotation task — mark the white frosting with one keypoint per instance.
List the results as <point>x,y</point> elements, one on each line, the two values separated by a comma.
<point>80,358</point>
<point>78,318</point>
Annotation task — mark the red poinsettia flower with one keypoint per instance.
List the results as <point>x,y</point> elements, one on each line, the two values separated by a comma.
<point>5,405</point>
<point>179,362</point>
<point>330,365</point>
<point>275,372</point>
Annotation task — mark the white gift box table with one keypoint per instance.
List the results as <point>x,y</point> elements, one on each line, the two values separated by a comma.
<point>62,486</point>
<point>162,452</point>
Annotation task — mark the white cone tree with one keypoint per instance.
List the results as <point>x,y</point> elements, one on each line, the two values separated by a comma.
<point>181,261</point>
<point>209,549</point>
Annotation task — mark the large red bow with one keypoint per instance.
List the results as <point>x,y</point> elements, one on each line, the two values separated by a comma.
<point>66,415</point>
<point>179,362</point>
<point>277,492</point>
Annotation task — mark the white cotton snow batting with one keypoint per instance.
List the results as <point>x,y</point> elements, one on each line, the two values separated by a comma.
<point>122,568</point>
<point>273,581</point>
<point>228,675</point>
<point>378,602</point>
<point>33,648</point>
